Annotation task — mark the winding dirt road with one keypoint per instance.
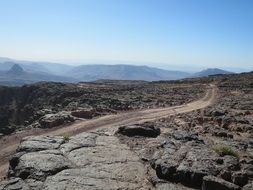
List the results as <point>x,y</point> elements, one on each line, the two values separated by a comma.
<point>9,144</point>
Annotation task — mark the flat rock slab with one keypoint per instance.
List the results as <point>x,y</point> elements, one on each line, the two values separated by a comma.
<point>14,184</point>
<point>37,143</point>
<point>85,161</point>
<point>127,175</point>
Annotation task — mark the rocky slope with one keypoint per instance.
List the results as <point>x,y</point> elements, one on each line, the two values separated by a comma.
<point>205,149</point>
<point>53,104</point>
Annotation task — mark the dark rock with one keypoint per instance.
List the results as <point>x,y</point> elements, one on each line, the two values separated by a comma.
<point>240,178</point>
<point>166,170</point>
<point>186,136</point>
<point>217,113</point>
<point>242,120</point>
<point>221,134</point>
<point>226,121</point>
<point>213,183</point>
<point>226,175</point>
<point>6,130</point>
<point>85,113</point>
<point>137,130</point>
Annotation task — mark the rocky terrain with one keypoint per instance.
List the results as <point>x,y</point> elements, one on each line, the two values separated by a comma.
<point>208,149</point>
<point>48,105</point>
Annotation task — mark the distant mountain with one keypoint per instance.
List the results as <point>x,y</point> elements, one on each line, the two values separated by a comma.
<point>95,72</point>
<point>31,66</point>
<point>124,72</point>
<point>211,71</point>
<point>16,70</point>
<point>16,76</point>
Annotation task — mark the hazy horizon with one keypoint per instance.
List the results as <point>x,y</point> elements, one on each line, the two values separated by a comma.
<point>165,66</point>
<point>185,35</point>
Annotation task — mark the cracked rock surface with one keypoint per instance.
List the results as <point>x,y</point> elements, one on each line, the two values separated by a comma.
<point>86,161</point>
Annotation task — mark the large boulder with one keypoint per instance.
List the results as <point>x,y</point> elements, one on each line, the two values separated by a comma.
<point>217,113</point>
<point>85,113</point>
<point>138,130</point>
<point>53,120</point>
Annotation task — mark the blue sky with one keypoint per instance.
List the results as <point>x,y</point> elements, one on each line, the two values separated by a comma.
<point>165,33</point>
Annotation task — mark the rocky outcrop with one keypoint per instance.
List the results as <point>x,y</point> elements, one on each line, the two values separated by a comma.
<point>180,156</point>
<point>86,161</point>
<point>176,159</point>
<point>189,161</point>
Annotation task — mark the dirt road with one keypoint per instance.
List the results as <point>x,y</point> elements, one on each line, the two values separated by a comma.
<point>9,144</point>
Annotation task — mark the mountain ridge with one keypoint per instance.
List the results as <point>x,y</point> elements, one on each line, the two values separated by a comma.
<point>211,71</point>
<point>30,72</point>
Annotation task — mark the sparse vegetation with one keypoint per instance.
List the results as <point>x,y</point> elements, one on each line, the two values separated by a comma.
<point>223,150</point>
<point>66,137</point>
